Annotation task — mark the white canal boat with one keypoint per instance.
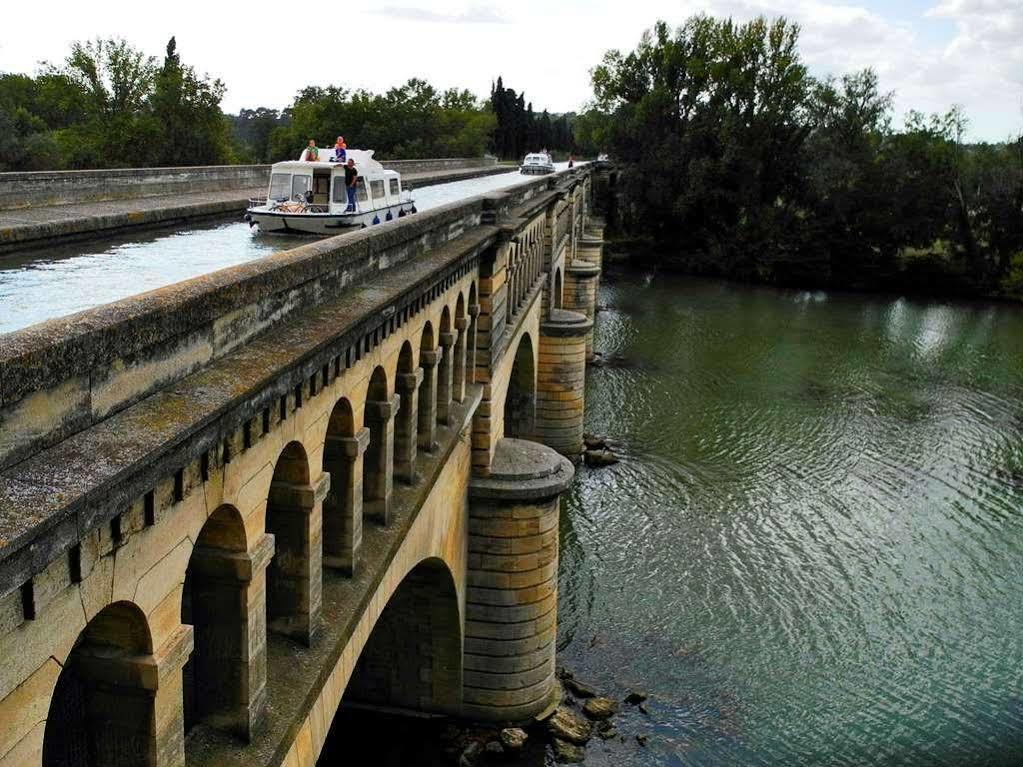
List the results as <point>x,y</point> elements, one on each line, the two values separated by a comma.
<point>310,197</point>
<point>537,163</point>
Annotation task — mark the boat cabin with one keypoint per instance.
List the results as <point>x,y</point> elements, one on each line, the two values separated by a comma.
<point>320,186</point>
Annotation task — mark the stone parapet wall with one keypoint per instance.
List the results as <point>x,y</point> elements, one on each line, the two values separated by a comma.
<point>60,376</point>
<point>19,190</point>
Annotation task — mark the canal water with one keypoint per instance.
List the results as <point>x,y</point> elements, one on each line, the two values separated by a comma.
<point>812,550</point>
<point>44,283</point>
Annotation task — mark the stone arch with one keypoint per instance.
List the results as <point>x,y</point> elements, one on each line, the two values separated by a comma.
<point>413,657</point>
<point>520,398</point>
<point>558,301</point>
<point>376,466</point>
<point>102,712</point>
<point>223,672</point>
<point>293,580</point>
<point>445,372</point>
<point>426,430</point>
<point>406,382</point>
<point>342,506</point>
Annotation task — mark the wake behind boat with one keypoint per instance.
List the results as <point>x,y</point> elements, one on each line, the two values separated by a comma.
<point>310,197</point>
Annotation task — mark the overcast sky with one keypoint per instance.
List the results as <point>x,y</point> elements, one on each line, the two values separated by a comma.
<point>932,53</point>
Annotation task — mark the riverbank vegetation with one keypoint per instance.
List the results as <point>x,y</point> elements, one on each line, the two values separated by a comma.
<point>110,105</point>
<point>740,164</point>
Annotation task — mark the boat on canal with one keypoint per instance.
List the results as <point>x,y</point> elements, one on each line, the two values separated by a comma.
<point>309,197</point>
<point>537,163</point>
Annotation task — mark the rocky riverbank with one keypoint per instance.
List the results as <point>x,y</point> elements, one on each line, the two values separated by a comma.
<point>562,734</point>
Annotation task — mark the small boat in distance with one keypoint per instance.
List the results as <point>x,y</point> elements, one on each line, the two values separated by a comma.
<point>310,197</point>
<point>537,163</point>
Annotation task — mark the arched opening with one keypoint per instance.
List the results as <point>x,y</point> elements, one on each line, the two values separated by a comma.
<point>293,585</point>
<point>101,712</point>
<point>406,421</point>
<point>445,378</point>
<point>216,682</point>
<point>376,467</point>
<point>342,507</point>
<point>558,290</point>
<point>413,658</point>
<point>427,420</point>
<point>458,364</point>
<point>520,399</point>
<point>470,345</point>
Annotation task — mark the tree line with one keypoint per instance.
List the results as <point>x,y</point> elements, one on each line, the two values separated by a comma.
<point>736,162</point>
<point>111,105</point>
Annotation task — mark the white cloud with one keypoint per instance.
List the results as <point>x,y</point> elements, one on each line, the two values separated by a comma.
<point>477,14</point>
<point>959,51</point>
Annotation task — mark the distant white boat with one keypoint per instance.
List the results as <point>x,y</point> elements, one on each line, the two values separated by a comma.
<point>537,163</point>
<point>310,197</point>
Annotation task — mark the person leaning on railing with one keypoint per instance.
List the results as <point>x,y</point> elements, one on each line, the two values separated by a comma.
<point>351,179</point>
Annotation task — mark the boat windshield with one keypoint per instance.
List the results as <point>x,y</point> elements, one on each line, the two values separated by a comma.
<point>280,186</point>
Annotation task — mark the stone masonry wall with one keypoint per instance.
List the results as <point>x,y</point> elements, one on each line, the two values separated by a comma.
<point>19,190</point>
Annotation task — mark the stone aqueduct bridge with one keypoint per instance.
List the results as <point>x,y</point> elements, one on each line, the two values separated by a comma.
<point>229,503</point>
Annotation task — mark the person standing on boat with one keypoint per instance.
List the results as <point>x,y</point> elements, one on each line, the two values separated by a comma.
<point>340,149</point>
<point>311,154</point>
<point>351,179</point>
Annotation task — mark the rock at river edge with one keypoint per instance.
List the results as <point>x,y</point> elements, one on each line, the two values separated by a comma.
<point>567,725</point>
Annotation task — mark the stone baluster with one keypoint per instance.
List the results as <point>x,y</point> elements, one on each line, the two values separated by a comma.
<point>427,431</point>
<point>458,371</point>
<point>406,440</point>
<point>229,610</point>
<point>342,508</point>
<point>445,377</point>
<point>378,473</point>
<point>295,592</point>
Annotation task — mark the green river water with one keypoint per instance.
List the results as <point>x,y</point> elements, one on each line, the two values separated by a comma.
<point>812,551</point>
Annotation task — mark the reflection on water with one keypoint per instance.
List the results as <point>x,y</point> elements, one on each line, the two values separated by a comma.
<point>56,281</point>
<point>813,550</point>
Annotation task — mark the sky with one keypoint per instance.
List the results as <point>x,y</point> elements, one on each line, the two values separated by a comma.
<point>931,53</point>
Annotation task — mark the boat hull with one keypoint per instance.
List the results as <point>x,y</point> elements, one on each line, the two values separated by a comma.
<point>320,223</point>
<point>536,170</point>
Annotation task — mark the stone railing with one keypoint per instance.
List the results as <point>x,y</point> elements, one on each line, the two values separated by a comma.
<point>19,190</point>
<point>64,375</point>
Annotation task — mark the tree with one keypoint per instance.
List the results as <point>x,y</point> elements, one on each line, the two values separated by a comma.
<point>189,125</point>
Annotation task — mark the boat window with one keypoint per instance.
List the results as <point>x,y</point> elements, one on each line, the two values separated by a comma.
<point>360,189</point>
<point>339,189</point>
<point>377,189</point>
<point>395,189</point>
<point>280,186</point>
<point>300,185</point>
